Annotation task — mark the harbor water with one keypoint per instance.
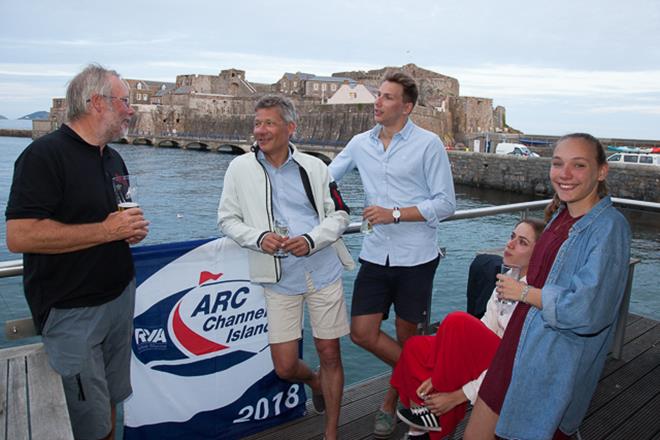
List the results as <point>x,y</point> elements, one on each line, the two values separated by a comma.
<point>180,190</point>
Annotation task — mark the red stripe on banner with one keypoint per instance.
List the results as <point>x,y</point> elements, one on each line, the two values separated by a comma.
<point>204,276</point>
<point>194,343</point>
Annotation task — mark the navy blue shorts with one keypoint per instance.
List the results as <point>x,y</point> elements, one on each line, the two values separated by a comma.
<point>377,287</point>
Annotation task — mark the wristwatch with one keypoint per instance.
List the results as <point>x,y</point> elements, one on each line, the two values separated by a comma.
<point>524,293</point>
<point>396,213</point>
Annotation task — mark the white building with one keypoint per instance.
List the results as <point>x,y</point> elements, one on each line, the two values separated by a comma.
<point>352,94</point>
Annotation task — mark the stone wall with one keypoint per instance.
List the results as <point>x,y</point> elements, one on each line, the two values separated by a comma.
<point>530,175</point>
<point>234,116</point>
<point>229,82</point>
<point>438,122</point>
<point>231,115</point>
<point>472,114</point>
<point>14,132</point>
<point>41,127</point>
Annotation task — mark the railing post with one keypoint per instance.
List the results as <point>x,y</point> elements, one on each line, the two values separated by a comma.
<point>620,332</point>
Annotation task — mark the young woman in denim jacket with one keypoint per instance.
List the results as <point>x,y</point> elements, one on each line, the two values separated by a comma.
<point>547,366</point>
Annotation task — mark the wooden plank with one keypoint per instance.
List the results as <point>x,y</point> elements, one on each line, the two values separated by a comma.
<point>643,425</point>
<point>363,428</point>
<point>3,399</point>
<point>48,411</point>
<point>17,415</point>
<point>21,351</point>
<point>609,417</point>
<point>359,399</point>
<point>19,329</point>
<point>616,383</point>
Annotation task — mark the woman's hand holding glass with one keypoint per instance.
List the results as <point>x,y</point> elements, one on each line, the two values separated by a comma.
<point>508,288</point>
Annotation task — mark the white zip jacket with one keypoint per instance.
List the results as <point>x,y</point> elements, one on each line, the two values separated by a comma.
<point>245,213</point>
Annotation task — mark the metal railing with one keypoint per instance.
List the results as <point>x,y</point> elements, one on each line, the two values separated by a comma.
<point>15,267</point>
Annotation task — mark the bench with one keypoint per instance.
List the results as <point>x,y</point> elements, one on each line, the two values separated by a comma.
<point>32,402</point>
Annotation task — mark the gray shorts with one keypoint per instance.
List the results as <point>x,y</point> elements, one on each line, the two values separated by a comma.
<point>90,347</point>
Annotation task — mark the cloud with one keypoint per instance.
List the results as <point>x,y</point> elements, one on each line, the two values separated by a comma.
<point>639,109</point>
<point>500,81</point>
<point>39,70</point>
<point>259,68</point>
<point>91,43</point>
<point>26,92</point>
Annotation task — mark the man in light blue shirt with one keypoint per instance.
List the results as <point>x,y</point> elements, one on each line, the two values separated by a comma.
<point>407,181</point>
<point>277,184</point>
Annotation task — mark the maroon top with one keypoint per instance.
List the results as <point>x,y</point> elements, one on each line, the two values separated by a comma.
<point>497,380</point>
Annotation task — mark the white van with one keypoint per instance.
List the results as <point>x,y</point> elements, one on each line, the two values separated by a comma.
<point>514,149</point>
<point>636,158</point>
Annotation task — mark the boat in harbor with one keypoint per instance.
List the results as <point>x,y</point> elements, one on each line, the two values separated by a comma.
<point>639,150</point>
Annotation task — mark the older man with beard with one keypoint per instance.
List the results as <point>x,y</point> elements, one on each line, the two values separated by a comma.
<point>79,277</point>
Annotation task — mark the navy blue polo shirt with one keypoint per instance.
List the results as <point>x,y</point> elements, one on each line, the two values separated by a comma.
<point>63,178</point>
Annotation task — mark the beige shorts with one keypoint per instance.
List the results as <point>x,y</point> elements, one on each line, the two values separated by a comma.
<point>326,307</point>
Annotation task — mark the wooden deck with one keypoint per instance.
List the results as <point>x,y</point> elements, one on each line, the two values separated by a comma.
<point>626,404</point>
<point>32,403</point>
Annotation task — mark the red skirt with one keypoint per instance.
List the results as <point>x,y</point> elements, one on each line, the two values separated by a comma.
<point>459,352</point>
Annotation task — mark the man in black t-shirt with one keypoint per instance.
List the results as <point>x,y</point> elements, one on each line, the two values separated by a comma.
<point>78,270</point>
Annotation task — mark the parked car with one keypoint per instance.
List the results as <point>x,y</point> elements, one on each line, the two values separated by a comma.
<point>514,149</point>
<point>636,158</point>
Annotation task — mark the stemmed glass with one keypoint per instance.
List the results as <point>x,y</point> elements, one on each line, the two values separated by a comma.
<point>281,229</point>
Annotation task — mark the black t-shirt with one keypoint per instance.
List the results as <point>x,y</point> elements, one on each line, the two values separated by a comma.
<point>63,178</point>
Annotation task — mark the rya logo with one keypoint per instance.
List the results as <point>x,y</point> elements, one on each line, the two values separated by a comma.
<point>152,338</point>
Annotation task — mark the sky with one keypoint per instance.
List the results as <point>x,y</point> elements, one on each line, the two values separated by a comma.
<point>556,66</point>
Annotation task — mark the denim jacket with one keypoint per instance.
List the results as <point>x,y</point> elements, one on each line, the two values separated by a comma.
<point>563,346</point>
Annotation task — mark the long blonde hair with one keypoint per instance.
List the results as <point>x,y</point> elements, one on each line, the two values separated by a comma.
<point>601,159</point>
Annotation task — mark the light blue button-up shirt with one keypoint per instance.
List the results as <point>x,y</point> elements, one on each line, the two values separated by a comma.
<point>292,207</point>
<point>413,171</point>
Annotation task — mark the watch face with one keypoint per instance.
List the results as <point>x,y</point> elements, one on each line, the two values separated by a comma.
<point>396,213</point>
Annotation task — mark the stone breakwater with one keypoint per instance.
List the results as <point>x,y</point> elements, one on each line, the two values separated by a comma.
<point>11,132</point>
<point>530,175</point>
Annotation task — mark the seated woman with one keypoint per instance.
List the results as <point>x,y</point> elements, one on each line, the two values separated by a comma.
<point>547,366</point>
<point>444,371</point>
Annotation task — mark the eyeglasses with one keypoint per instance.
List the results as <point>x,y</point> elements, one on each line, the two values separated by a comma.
<point>124,100</point>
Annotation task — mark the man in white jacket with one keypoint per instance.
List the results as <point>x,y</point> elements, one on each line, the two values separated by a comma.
<point>278,184</point>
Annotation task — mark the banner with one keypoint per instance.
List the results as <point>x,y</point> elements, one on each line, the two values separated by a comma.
<point>201,365</point>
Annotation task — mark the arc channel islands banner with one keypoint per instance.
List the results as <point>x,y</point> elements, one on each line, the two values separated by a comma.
<point>201,366</point>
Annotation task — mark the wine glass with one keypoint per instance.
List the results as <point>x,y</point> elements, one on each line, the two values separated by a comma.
<point>281,229</point>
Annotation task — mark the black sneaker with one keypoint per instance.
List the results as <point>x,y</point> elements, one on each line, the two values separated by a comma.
<point>419,417</point>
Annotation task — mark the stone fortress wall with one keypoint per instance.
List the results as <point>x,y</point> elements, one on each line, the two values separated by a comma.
<point>530,175</point>
<point>224,104</point>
